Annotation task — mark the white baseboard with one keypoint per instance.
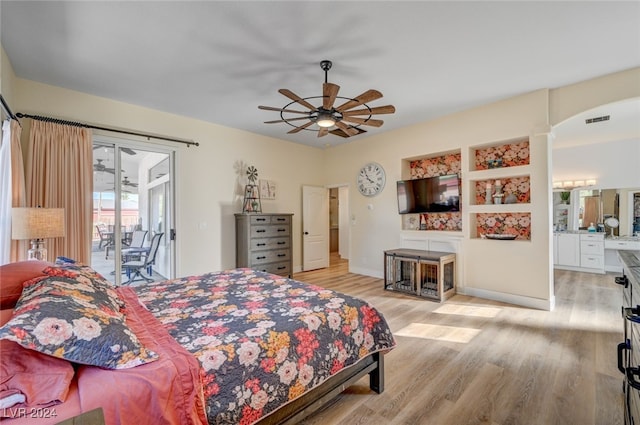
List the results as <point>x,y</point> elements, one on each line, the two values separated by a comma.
<point>520,300</point>
<point>367,272</point>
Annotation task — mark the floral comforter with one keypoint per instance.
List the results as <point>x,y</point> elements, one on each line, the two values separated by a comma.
<point>263,340</point>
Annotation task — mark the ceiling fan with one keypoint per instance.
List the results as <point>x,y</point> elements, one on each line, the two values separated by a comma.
<point>99,166</point>
<point>344,120</point>
<point>127,182</point>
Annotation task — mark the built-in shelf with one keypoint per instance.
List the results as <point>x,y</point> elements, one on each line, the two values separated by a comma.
<point>507,163</point>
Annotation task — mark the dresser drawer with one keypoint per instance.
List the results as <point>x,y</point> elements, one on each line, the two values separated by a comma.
<point>589,247</point>
<point>592,261</point>
<point>270,219</point>
<point>269,243</point>
<point>268,231</point>
<point>283,269</point>
<point>262,257</point>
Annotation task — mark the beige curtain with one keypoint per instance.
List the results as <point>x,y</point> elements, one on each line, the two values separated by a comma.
<point>18,196</point>
<point>60,175</point>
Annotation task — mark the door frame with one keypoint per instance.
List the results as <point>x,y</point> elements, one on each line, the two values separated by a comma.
<point>117,143</point>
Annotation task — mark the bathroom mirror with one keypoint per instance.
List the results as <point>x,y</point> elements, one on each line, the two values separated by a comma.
<point>596,205</point>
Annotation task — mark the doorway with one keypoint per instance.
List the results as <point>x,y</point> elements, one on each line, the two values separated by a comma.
<point>132,204</point>
<point>339,222</point>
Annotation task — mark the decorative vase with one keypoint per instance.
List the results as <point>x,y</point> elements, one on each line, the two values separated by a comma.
<point>510,199</point>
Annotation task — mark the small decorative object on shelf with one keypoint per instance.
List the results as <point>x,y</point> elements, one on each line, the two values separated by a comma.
<point>497,197</point>
<point>252,193</point>
<point>510,199</point>
<point>499,236</point>
<point>494,163</point>
<point>489,191</point>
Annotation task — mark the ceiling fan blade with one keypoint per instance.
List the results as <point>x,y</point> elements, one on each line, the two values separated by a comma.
<point>323,131</point>
<point>291,111</point>
<point>329,93</point>
<point>370,121</point>
<point>388,109</point>
<point>368,96</point>
<point>291,95</point>
<point>300,128</point>
<point>128,151</point>
<point>344,127</point>
<point>287,120</point>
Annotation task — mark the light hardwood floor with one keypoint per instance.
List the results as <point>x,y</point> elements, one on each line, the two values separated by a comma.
<point>523,366</point>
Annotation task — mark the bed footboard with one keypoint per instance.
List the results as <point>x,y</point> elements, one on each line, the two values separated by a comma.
<point>320,396</point>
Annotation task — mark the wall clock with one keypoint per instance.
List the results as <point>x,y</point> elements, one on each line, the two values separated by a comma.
<point>371,179</point>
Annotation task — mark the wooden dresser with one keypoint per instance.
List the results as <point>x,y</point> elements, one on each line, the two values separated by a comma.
<point>264,242</point>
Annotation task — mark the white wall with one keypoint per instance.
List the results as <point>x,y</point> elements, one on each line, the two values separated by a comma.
<point>613,164</point>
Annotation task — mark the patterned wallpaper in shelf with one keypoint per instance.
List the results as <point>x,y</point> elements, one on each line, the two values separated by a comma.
<point>504,223</point>
<point>431,167</point>
<point>510,155</point>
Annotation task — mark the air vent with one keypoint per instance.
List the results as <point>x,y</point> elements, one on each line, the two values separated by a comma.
<point>597,119</point>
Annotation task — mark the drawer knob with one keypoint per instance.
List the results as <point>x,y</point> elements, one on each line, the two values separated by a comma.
<point>260,231</point>
<point>282,255</point>
<point>261,244</point>
<point>261,258</point>
<point>281,243</point>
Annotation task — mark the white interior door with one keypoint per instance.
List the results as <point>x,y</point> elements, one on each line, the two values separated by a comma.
<point>315,227</point>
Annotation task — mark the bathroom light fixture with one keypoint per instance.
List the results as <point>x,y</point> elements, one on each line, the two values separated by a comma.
<point>574,184</point>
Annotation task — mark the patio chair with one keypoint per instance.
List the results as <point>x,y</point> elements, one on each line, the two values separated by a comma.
<point>134,268</point>
<point>106,237</point>
<point>135,246</point>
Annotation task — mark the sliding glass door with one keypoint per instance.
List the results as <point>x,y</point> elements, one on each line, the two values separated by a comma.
<point>132,211</point>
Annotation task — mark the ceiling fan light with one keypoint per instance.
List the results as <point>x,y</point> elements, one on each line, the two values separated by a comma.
<point>325,122</point>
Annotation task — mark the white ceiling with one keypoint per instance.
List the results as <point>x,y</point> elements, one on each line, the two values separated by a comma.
<point>218,60</point>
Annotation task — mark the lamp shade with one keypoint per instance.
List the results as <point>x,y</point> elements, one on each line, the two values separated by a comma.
<point>37,223</point>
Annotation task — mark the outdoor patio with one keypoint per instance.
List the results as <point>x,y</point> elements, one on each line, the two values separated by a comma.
<point>106,266</point>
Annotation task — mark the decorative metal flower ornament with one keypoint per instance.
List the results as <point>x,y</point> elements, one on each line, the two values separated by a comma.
<point>252,174</point>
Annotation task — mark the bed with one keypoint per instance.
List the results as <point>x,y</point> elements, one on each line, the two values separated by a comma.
<point>236,346</point>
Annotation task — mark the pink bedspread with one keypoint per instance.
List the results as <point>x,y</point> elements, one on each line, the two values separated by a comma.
<point>168,391</point>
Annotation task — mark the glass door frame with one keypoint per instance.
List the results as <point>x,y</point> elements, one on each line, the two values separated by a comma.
<point>117,144</point>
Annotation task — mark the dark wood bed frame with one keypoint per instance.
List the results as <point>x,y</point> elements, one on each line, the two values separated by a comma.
<point>319,397</point>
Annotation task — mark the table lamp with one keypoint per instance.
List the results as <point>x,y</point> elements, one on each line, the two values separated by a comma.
<point>37,224</point>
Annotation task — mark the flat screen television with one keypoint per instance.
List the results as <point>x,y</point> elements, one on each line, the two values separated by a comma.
<point>430,194</point>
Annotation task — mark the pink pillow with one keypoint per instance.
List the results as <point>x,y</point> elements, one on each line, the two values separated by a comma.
<point>42,380</point>
<point>5,315</point>
<point>13,275</point>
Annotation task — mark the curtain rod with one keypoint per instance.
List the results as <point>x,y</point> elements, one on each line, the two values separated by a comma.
<point>95,127</point>
<point>6,108</point>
